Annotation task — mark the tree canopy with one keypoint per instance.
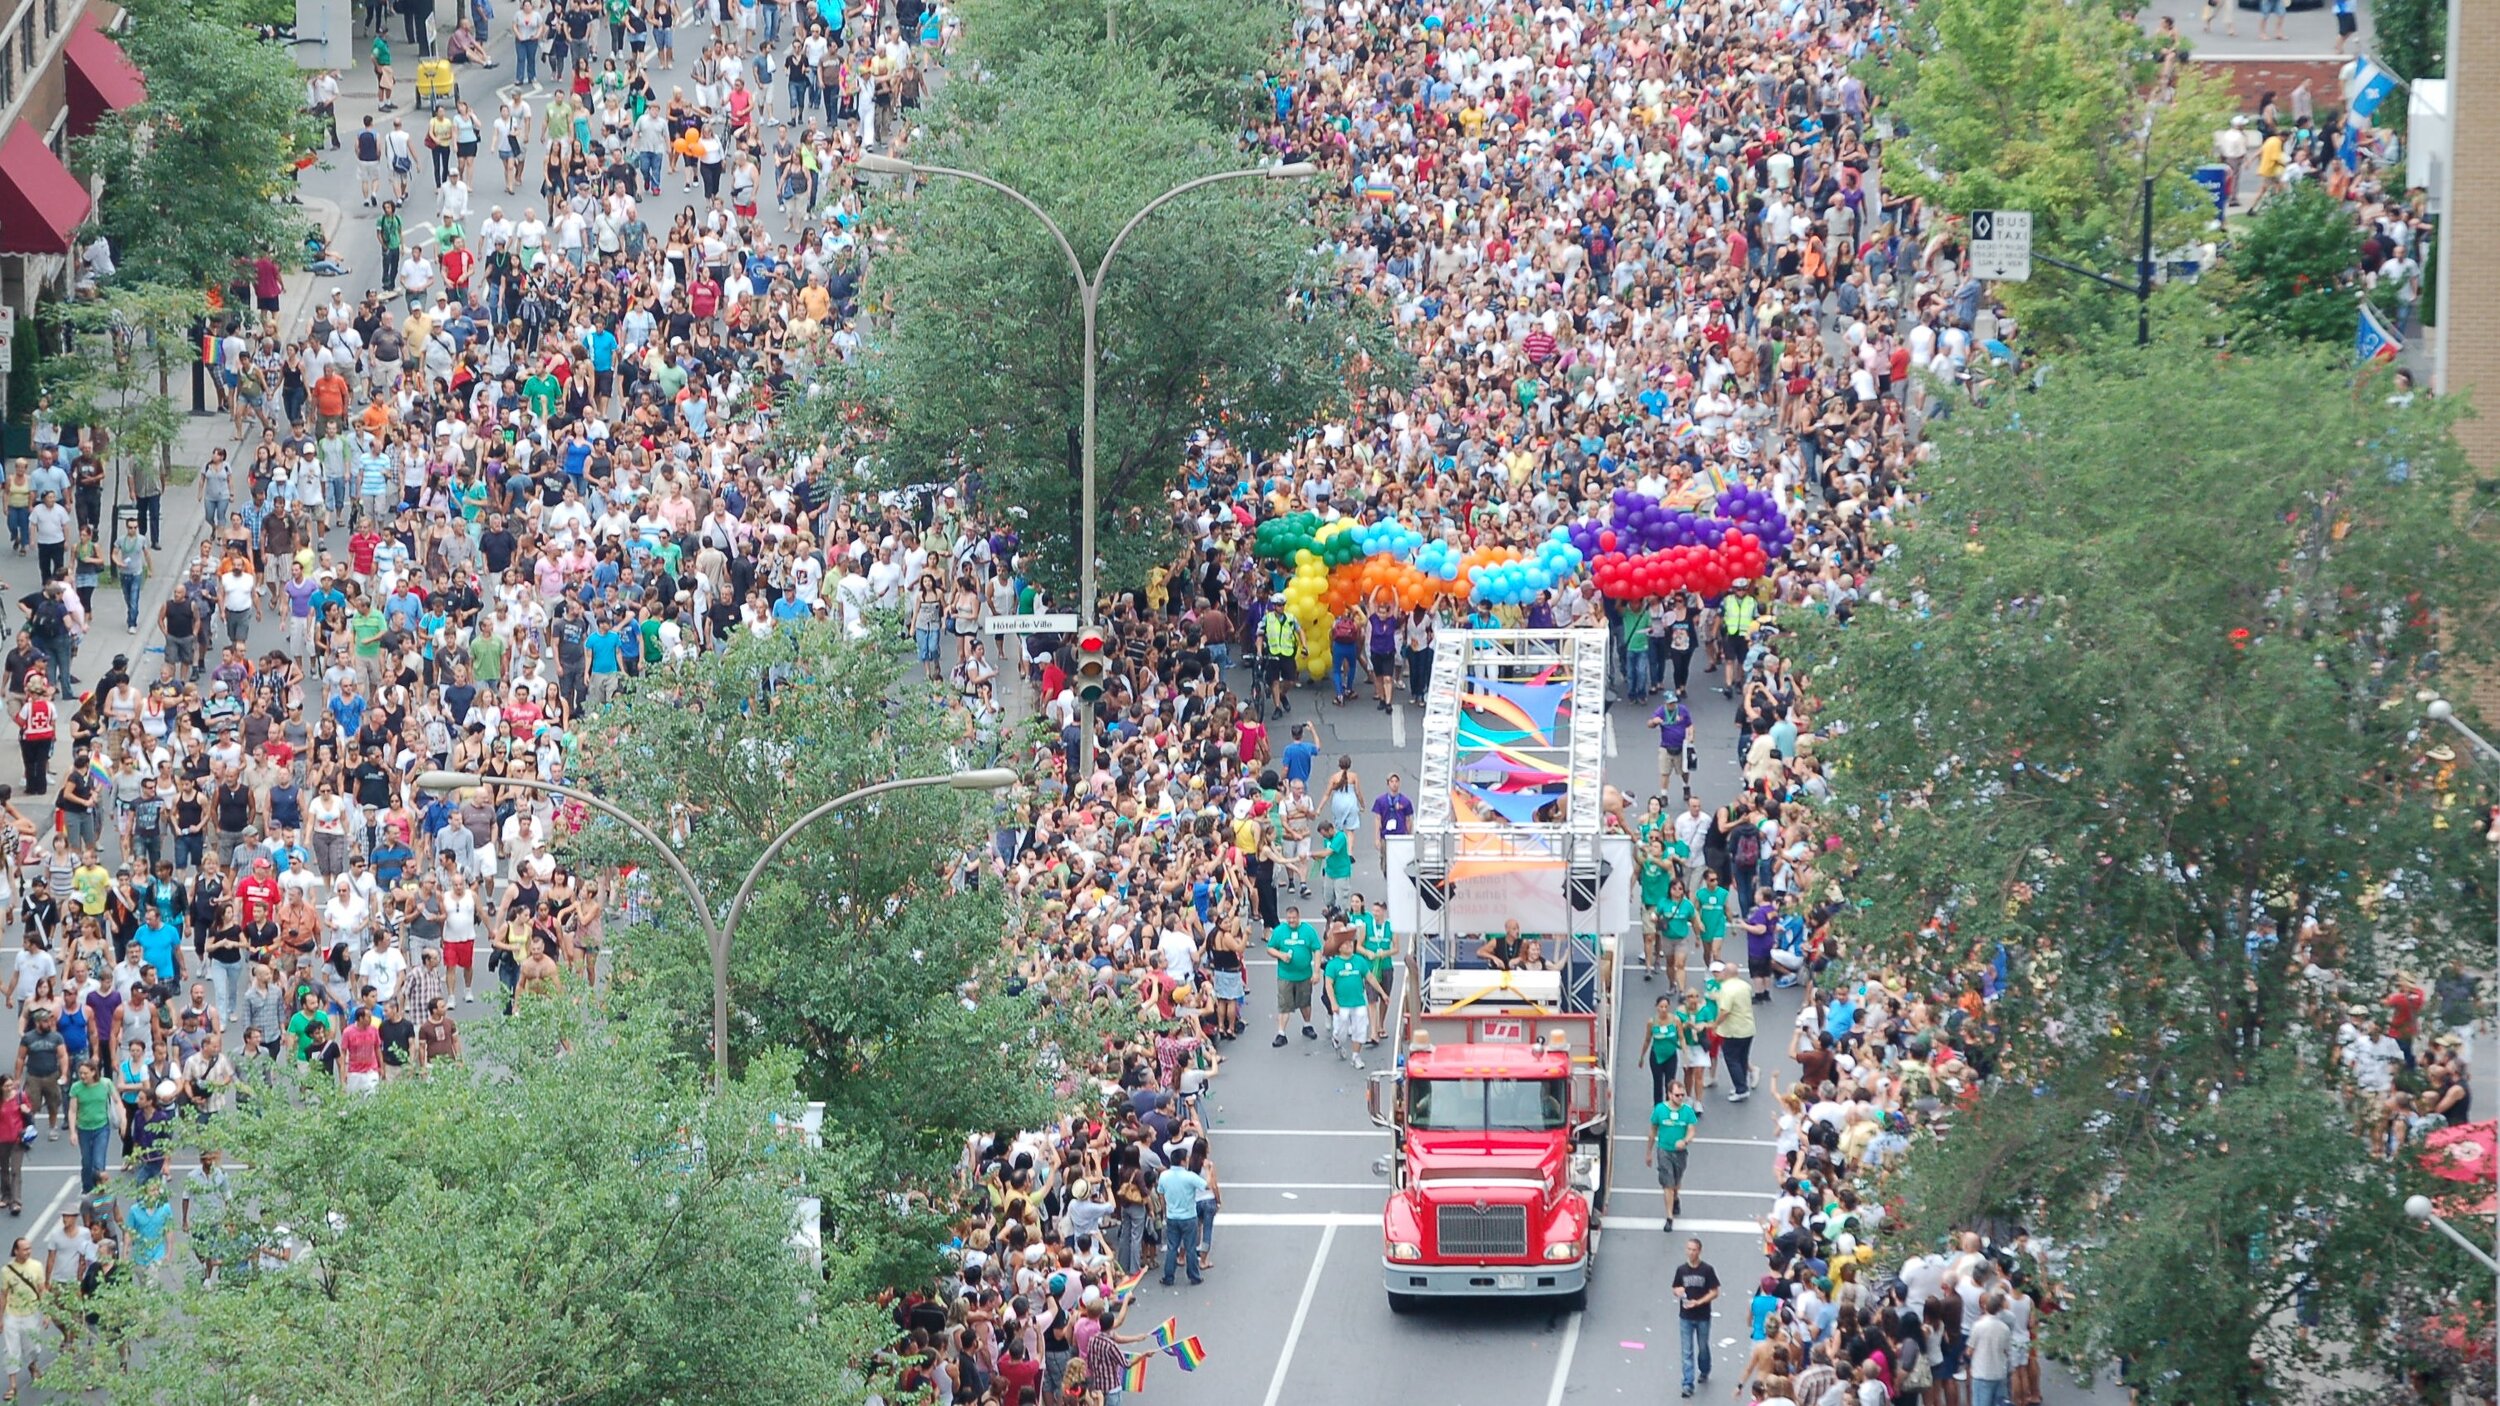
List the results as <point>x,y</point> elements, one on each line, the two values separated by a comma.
<point>1216,316</point>
<point>2293,268</point>
<point>2133,712</point>
<point>567,1216</point>
<point>2058,110</point>
<point>195,165</point>
<point>1209,52</point>
<point>868,950</point>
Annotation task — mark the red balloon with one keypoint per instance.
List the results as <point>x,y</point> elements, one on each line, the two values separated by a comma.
<point>1606,540</point>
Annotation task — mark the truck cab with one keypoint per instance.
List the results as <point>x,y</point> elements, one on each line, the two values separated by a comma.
<point>1491,1192</point>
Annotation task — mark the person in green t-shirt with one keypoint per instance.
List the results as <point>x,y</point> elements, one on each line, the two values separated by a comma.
<point>91,1114</point>
<point>1672,1122</point>
<point>1293,943</point>
<point>367,625</point>
<point>1336,867</point>
<point>1664,1043</point>
<point>1656,879</point>
<point>1376,944</point>
<point>1677,920</point>
<point>1696,1025</point>
<point>1713,904</point>
<point>1349,995</point>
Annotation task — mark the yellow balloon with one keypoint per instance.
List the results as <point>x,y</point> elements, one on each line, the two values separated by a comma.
<point>1331,529</point>
<point>1304,556</point>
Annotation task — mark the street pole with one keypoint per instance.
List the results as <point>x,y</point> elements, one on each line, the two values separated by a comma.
<point>2440,710</point>
<point>1089,302</point>
<point>2144,273</point>
<point>717,934</point>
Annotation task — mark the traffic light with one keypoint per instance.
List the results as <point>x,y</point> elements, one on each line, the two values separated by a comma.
<point>1093,663</point>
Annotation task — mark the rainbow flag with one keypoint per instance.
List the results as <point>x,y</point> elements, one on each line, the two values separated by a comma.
<point>1167,1332</point>
<point>1188,1353</point>
<point>1136,1379</point>
<point>1128,1286</point>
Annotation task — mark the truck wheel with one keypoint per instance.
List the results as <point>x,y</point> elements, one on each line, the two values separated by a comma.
<point>1576,1300</point>
<point>1401,1303</point>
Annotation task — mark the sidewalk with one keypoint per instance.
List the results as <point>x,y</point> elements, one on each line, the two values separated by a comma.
<point>183,508</point>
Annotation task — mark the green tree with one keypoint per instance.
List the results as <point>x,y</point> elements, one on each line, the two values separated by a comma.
<point>196,167</point>
<point>1211,51</point>
<point>124,349</point>
<point>568,1216</point>
<point>2139,682</point>
<point>2011,105</point>
<point>1216,315</point>
<point>2411,38</point>
<point>866,950</point>
<point>2291,266</point>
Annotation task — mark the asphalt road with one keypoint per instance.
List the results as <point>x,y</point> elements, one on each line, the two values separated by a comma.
<point>1295,1309</point>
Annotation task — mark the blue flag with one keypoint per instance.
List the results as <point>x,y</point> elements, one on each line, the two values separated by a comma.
<point>2368,86</point>
<point>2373,341</point>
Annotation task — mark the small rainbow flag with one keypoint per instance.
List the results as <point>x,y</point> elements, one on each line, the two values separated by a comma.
<point>1167,1332</point>
<point>1128,1286</point>
<point>1188,1353</point>
<point>1136,1379</point>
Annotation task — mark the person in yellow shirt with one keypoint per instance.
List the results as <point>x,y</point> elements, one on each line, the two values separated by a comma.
<point>2270,165</point>
<point>22,1285</point>
<point>1733,995</point>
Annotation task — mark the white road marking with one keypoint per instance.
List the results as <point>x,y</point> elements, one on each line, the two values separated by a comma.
<point>1571,1330</point>
<point>1302,1312</point>
<point>1612,746</point>
<point>1383,1186</point>
<point>1397,726</point>
<point>1634,1138</point>
<point>1370,1220</point>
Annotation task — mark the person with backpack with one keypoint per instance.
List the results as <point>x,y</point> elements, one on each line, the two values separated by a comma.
<point>1345,649</point>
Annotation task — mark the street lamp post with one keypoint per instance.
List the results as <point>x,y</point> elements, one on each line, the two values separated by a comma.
<point>2440,710</point>
<point>1089,300</point>
<point>719,932</point>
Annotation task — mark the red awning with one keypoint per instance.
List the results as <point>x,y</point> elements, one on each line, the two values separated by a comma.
<point>101,77</point>
<point>41,203</point>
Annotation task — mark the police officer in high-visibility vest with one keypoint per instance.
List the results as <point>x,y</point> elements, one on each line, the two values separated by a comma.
<point>1280,644</point>
<point>1736,614</point>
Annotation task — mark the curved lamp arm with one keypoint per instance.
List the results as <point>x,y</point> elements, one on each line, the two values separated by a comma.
<point>897,166</point>
<point>991,779</point>
<point>1247,173</point>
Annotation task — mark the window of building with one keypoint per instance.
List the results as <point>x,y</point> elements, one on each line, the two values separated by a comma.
<point>51,16</point>
<point>8,73</point>
<point>26,31</point>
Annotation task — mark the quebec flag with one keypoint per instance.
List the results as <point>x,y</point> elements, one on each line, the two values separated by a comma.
<point>2367,86</point>
<point>2373,341</point>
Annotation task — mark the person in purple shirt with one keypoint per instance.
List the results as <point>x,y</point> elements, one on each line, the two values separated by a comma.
<point>1383,648</point>
<point>1674,722</point>
<point>1393,812</point>
<point>1760,923</point>
<point>104,1006</point>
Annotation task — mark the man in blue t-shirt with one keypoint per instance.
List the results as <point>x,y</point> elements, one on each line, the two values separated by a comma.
<point>607,650</point>
<point>1299,754</point>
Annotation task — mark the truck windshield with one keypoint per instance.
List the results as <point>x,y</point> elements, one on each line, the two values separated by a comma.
<point>1486,1105</point>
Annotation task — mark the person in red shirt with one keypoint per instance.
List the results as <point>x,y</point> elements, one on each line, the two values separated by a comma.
<point>457,264</point>
<point>329,399</point>
<point>257,895</point>
<point>360,548</point>
<point>2404,1013</point>
<point>36,729</point>
<point>360,1051</point>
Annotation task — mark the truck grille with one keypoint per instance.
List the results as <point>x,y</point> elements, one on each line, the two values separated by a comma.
<point>1486,1232</point>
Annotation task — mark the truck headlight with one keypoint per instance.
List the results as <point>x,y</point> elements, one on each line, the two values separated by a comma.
<point>1405,1250</point>
<point>1566,1250</point>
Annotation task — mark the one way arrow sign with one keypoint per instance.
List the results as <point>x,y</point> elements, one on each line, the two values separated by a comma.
<point>2000,245</point>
